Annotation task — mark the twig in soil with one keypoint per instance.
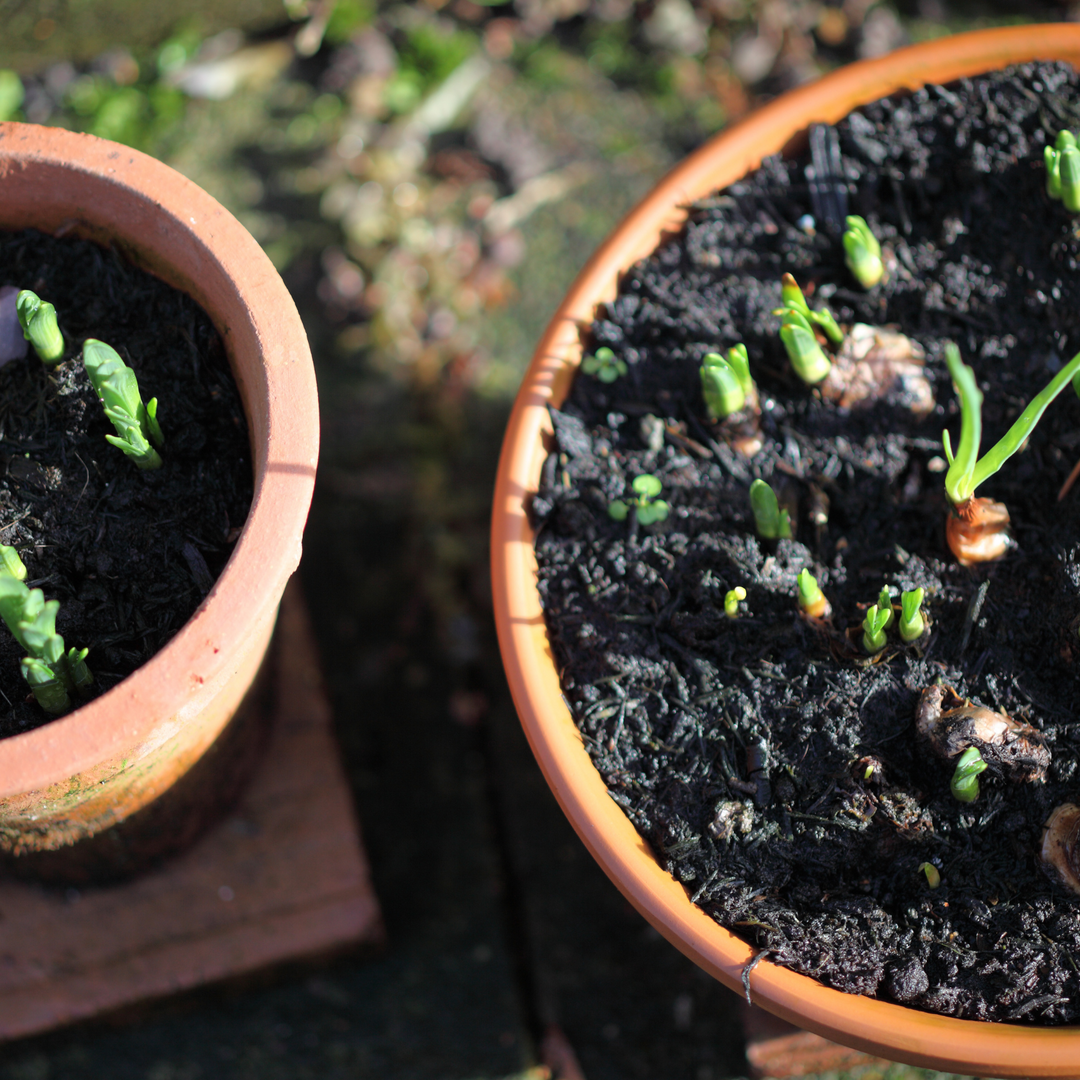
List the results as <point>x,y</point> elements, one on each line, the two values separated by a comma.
<point>973,610</point>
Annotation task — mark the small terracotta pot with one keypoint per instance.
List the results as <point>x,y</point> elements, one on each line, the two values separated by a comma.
<point>892,1031</point>
<point>97,766</point>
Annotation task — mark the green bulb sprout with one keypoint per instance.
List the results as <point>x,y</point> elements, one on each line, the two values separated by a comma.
<point>37,318</point>
<point>966,469</point>
<point>912,623</point>
<point>933,876</point>
<point>731,601</point>
<point>771,522</point>
<point>884,603</point>
<point>797,322</point>
<point>1063,171</point>
<point>647,507</point>
<point>862,252</point>
<point>52,673</point>
<point>873,639</point>
<point>812,601</point>
<point>118,390</point>
<point>725,382</point>
<point>604,364</point>
<point>965,782</point>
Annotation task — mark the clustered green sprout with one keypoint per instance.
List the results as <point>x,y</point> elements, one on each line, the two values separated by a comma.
<point>862,252</point>
<point>797,322</point>
<point>1063,171</point>
<point>37,318</point>
<point>912,623</point>
<point>966,469</point>
<point>726,382</point>
<point>604,364</point>
<point>647,507</point>
<point>54,675</point>
<point>772,522</point>
<point>965,781</point>
<point>880,616</point>
<point>731,601</point>
<point>812,601</point>
<point>874,624</point>
<point>118,390</point>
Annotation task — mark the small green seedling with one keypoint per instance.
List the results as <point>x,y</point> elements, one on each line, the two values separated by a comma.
<point>873,639</point>
<point>726,381</point>
<point>862,252</point>
<point>731,601</point>
<point>812,601</point>
<point>37,318</point>
<point>1063,171</point>
<point>118,390</point>
<point>797,323</point>
<point>966,469</point>
<point>933,875</point>
<point>884,603</point>
<point>912,623</point>
<point>52,673</point>
<point>965,782</point>
<point>604,364</point>
<point>647,507</point>
<point>771,521</point>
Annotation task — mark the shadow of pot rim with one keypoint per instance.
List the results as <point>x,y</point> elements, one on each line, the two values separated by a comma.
<point>876,1026</point>
<point>66,183</point>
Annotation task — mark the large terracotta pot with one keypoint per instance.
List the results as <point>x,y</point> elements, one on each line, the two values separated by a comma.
<point>116,756</point>
<point>879,1027</point>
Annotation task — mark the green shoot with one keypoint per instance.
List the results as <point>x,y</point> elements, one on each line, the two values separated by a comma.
<point>118,390</point>
<point>797,323</point>
<point>965,782</point>
<point>862,253</point>
<point>933,876</point>
<point>604,364</point>
<point>912,623</point>
<point>647,507</point>
<point>808,359</point>
<point>873,639</point>
<point>37,318</point>
<point>966,470</point>
<point>812,600</point>
<point>726,382</point>
<point>1063,171</point>
<point>52,673</point>
<point>794,301</point>
<point>884,603</point>
<point>731,601</point>
<point>771,522</point>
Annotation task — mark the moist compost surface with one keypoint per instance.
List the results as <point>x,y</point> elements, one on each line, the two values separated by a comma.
<point>738,746</point>
<point>130,554</point>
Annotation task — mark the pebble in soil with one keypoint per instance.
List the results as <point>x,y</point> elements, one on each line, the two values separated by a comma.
<point>129,554</point>
<point>739,746</point>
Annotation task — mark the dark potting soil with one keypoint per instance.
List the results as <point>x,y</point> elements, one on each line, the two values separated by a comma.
<point>733,743</point>
<point>129,554</point>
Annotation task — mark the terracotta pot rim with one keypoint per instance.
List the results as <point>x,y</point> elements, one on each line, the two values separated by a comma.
<point>880,1027</point>
<point>284,462</point>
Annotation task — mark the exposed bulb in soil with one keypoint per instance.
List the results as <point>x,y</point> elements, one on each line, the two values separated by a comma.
<point>978,531</point>
<point>1060,858</point>
<point>873,363</point>
<point>951,725</point>
<point>731,818</point>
